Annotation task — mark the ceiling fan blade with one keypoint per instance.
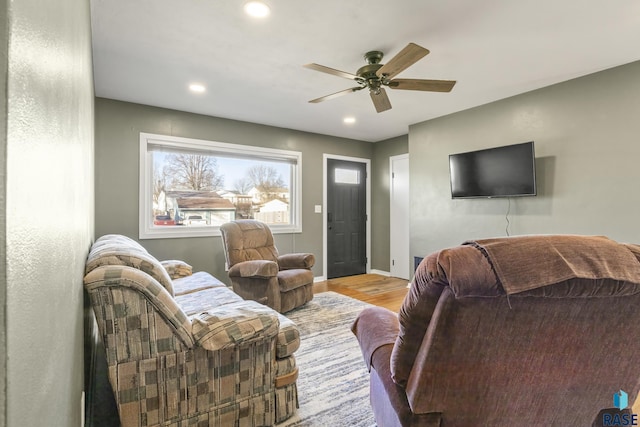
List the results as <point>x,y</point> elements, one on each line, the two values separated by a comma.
<point>337,94</point>
<point>380,100</point>
<point>427,85</point>
<point>408,56</point>
<point>332,71</point>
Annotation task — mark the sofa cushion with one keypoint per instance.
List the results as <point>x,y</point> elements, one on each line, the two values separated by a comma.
<point>232,324</point>
<point>292,279</point>
<point>206,299</point>
<point>198,281</point>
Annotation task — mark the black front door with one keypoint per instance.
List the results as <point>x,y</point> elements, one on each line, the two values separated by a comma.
<point>346,218</point>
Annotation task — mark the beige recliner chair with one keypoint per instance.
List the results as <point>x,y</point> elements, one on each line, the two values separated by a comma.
<point>259,273</point>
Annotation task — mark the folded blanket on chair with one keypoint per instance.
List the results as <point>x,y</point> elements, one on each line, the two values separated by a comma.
<point>523,263</point>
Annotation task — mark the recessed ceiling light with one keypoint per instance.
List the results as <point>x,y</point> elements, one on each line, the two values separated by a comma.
<point>197,88</point>
<point>349,120</point>
<point>257,9</point>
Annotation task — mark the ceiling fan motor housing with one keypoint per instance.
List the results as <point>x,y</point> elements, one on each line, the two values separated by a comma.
<point>368,72</point>
<point>373,57</point>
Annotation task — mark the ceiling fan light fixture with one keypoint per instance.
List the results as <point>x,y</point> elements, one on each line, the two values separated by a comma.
<point>257,9</point>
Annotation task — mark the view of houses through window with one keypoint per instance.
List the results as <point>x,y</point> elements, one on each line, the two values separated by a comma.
<point>203,187</point>
<point>201,190</point>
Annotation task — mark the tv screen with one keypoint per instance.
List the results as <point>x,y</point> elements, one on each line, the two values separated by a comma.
<point>495,172</point>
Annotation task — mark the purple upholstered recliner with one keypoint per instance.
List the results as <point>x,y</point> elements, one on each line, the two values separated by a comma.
<point>528,331</point>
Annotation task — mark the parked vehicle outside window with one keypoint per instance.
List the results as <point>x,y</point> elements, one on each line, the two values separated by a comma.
<point>191,187</point>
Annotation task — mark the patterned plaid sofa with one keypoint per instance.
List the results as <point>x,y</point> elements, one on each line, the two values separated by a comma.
<point>183,349</point>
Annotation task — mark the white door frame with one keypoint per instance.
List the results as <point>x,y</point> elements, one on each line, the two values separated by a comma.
<point>367,162</point>
<point>404,233</point>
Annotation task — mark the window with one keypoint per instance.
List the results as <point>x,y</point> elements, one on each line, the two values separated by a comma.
<point>189,187</point>
<point>347,176</point>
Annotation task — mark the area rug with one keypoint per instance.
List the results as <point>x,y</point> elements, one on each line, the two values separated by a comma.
<point>333,385</point>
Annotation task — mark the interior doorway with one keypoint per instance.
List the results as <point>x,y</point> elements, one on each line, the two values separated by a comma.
<point>399,263</point>
<point>346,220</point>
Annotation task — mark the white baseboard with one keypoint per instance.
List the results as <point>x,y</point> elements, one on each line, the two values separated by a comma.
<point>317,279</point>
<point>380,272</point>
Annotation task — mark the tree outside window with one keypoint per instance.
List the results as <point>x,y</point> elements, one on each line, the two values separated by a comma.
<point>193,186</point>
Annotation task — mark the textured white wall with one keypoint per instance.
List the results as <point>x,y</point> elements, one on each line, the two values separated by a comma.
<point>586,135</point>
<point>4,47</point>
<point>48,207</point>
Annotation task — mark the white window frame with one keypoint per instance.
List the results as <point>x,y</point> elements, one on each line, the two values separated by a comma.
<point>146,228</point>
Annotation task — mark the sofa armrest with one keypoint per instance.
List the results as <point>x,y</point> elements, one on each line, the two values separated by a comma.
<point>299,260</point>
<point>137,294</point>
<point>374,328</point>
<point>232,324</point>
<point>288,340</point>
<point>176,268</point>
<point>254,268</point>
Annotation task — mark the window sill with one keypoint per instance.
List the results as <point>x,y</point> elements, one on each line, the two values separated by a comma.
<point>177,232</point>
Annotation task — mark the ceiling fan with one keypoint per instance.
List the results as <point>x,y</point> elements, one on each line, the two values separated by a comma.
<point>375,75</point>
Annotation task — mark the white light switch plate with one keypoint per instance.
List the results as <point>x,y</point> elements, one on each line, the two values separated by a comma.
<point>318,208</point>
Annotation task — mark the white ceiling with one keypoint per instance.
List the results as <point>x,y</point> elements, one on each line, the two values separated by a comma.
<point>149,51</point>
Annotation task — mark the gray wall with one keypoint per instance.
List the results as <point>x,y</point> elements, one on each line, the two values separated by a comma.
<point>46,206</point>
<point>586,139</point>
<point>118,126</point>
<point>380,194</point>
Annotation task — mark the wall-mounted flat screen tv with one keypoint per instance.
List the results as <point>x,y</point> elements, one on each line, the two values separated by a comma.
<point>507,171</point>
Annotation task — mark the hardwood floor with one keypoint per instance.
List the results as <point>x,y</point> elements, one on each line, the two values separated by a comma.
<point>383,291</point>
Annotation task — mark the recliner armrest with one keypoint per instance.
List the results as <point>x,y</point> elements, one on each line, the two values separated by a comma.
<point>299,260</point>
<point>232,324</point>
<point>374,328</point>
<point>254,268</point>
